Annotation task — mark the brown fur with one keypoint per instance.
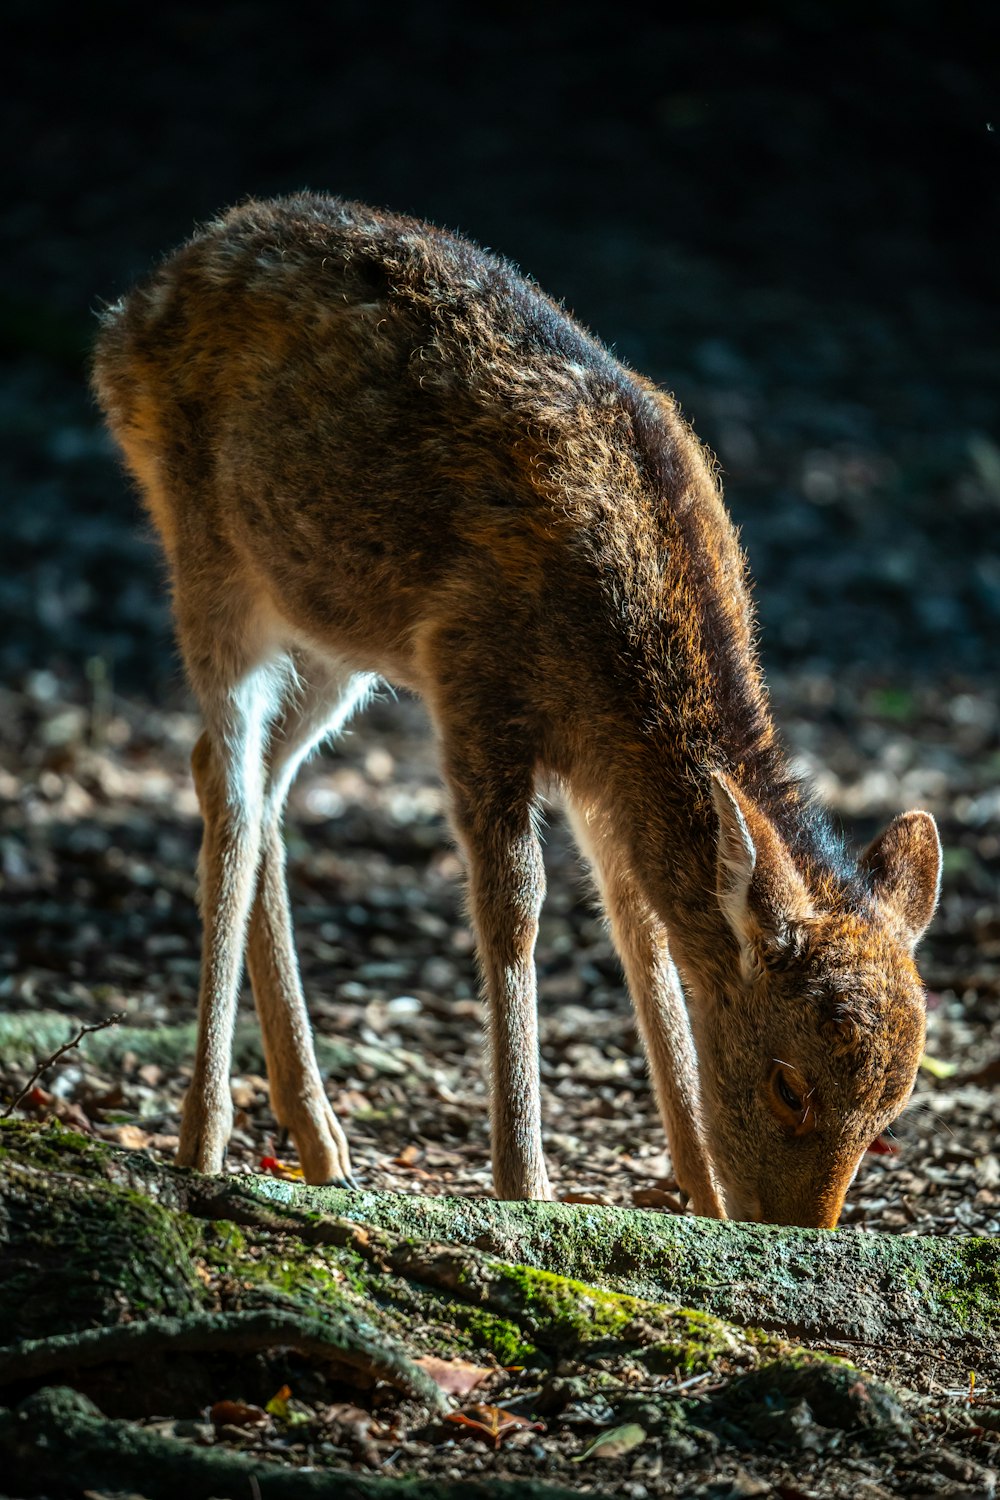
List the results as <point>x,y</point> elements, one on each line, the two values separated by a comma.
<point>373,450</point>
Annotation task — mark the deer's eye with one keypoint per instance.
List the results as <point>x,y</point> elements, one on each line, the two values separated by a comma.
<point>791,1098</point>
<point>786,1093</point>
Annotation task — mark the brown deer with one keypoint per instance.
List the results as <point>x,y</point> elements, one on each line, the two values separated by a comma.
<point>375,451</point>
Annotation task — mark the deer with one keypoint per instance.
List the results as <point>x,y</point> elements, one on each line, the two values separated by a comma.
<point>376,453</point>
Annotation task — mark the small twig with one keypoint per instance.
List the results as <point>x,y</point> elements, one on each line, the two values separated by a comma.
<point>692,1380</point>
<point>114,1020</point>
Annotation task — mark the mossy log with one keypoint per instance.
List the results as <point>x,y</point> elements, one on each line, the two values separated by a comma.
<point>842,1286</point>
<point>147,1289</point>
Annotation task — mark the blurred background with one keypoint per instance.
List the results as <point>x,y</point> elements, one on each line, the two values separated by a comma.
<point>788,214</point>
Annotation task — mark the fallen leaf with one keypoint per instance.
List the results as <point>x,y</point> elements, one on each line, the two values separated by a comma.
<point>278,1404</point>
<point>454,1376</point>
<point>408,1157</point>
<point>45,1105</point>
<point>237,1414</point>
<point>164,1142</point>
<point>247,1091</point>
<point>492,1423</point>
<point>299,1414</point>
<point>614,1443</point>
<point>130,1136</point>
<point>654,1197</point>
<point>107,1099</point>
<point>282,1169</point>
<point>284,1406</point>
<point>350,1419</point>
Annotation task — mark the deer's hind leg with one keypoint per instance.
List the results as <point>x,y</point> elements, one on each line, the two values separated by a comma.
<point>239,674</point>
<point>324,698</point>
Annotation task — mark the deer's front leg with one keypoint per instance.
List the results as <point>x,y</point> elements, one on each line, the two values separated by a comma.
<point>663,1021</point>
<point>494,821</point>
<point>655,988</point>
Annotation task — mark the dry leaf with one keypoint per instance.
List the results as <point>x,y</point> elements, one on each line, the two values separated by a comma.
<point>937,1067</point>
<point>45,1105</point>
<point>654,1197</point>
<point>247,1091</point>
<point>278,1404</point>
<point>454,1376</point>
<point>132,1137</point>
<point>237,1414</point>
<point>284,1406</point>
<point>491,1424</point>
<point>352,1420</point>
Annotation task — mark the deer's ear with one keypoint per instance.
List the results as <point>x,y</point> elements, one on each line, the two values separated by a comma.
<point>904,873</point>
<point>761,893</point>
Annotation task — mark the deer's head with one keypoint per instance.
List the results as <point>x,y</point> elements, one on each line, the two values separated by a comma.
<point>811,1050</point>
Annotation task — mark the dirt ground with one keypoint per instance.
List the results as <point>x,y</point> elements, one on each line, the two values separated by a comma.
<point>100,834</point>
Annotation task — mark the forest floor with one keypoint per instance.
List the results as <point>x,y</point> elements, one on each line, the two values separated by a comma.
<point>99,834</point>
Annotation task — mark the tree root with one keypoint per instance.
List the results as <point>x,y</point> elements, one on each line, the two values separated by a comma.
<point>231,1332</point>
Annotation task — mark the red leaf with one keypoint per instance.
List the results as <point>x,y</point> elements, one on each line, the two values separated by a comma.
<point>281,1169</point>
<point>236,1414</point>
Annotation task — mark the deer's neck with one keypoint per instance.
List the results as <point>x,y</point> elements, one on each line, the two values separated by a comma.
<point>650,786</point>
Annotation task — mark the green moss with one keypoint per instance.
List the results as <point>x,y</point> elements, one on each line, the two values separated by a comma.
<point>222,1242</point>
<point>52,1146</point>
<point>496,1335</point>
<point>965,1285</point>
<point>695,1342</point>
<point>561,1314</point>
<point>558,1311</point>
<point>90,1251</point>
<point>980,1262</point>
<point>306,1280</point>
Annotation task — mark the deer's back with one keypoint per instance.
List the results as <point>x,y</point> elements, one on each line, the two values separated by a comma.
<point>387,426</point>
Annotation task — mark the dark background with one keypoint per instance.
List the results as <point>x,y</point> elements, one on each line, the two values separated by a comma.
<point>787,213</point>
